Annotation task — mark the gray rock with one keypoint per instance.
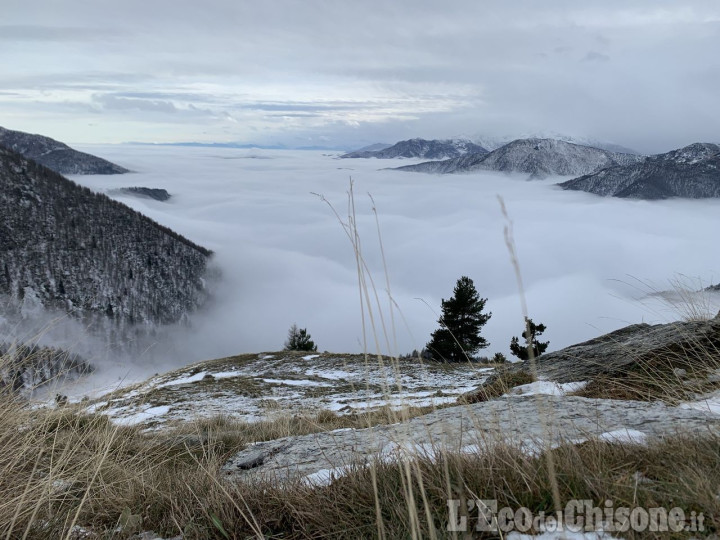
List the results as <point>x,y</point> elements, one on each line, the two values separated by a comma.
<point>514,420</point>
<point>613,353</point>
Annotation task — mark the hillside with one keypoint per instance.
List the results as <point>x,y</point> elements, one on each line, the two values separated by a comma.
<point>56,155</point>
<point>254,386</point>
<point>421,148</point>
<point>537,157</point>
<point>313,445</point>
<point>65,247</point>
<point>692,172</point>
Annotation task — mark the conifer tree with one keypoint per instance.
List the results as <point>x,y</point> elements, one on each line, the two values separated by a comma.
<point>522,350</point>
<point>458,337</point>
<point>299,340</point>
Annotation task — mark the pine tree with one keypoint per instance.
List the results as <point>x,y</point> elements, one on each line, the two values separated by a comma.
<point>459,337</point>
<point>522,350</point>
<point>299,340</point>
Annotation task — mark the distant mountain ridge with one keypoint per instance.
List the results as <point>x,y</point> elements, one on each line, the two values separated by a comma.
<point>691,172</point>
<point>422,148</point>
<point>493,143</point>
<point>56,155</point>
<point>372,148</point>
<point>537,157</point>
<point>65,247</point>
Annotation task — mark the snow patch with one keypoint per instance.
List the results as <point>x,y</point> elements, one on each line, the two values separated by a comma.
<point>325,477</point>
<point>142,416</point>
<point>625,436</point>
<point>546,388</point>
<point>711,404</point>
<point>185,380</point>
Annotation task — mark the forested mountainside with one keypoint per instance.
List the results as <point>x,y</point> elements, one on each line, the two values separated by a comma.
<point>63,246</point>
<point>536,157</point>
<point>422,148</point>
<point>692,172</point>
<point>56,155</point>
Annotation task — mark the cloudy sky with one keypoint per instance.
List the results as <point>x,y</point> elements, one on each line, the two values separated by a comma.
<point>339,73</point>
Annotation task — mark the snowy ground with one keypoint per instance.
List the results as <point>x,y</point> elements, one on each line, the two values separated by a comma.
<point>261,386</point>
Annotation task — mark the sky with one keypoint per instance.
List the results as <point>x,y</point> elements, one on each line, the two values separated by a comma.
<point>589,264</point>
<point>643,74</point>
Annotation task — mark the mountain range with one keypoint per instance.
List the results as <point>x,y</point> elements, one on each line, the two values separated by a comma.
<point>537,157</point>
<point>421,148</point>
<point>690,172</point>
<point>493,143</point>
<point>56,155</point>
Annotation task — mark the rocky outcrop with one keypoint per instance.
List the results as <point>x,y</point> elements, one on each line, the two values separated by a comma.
<point>521,418</point>
<point>422,148</point>
<point>469,429</point>
<point>537,157</point>
<point>692,172</point>
<point>55,155</point>
<point>631,354</point>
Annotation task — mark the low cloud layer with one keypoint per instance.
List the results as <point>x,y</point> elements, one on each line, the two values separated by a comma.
<point>588,263</point>
<point>644,74</point>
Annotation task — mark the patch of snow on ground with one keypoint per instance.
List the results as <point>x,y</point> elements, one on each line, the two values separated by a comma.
<point>711,403</point>
<point>95,406</point>
<point>311,356</point>
<point>185,380</point>
<point>626,436</point>
<point>143,416</point>
<point>325,477</point>
<point>546,388</point>
<point>333,374</point>
<point>226,374</point>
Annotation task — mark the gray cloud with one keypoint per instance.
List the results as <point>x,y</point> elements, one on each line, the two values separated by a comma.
<point>42,33</point>
<point>371,69</point>
<point>594,56</point>
<point>111,102</point>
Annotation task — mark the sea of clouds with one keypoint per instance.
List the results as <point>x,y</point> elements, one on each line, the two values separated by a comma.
<point>589,264</point>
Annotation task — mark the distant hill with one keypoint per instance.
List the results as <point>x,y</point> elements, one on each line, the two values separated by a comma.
<point>421,148</point>
<point>157,194</point>
<point>64,247</point>
<point>372,148</point>
<point>56,155</point>
<point>537,157</point>
<point>691,172</point>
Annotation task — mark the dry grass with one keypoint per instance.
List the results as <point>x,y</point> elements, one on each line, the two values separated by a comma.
<point>498,385</point>
<point>60,468</point>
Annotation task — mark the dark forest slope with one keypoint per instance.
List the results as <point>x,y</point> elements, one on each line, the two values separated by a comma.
<point>63,246</point>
